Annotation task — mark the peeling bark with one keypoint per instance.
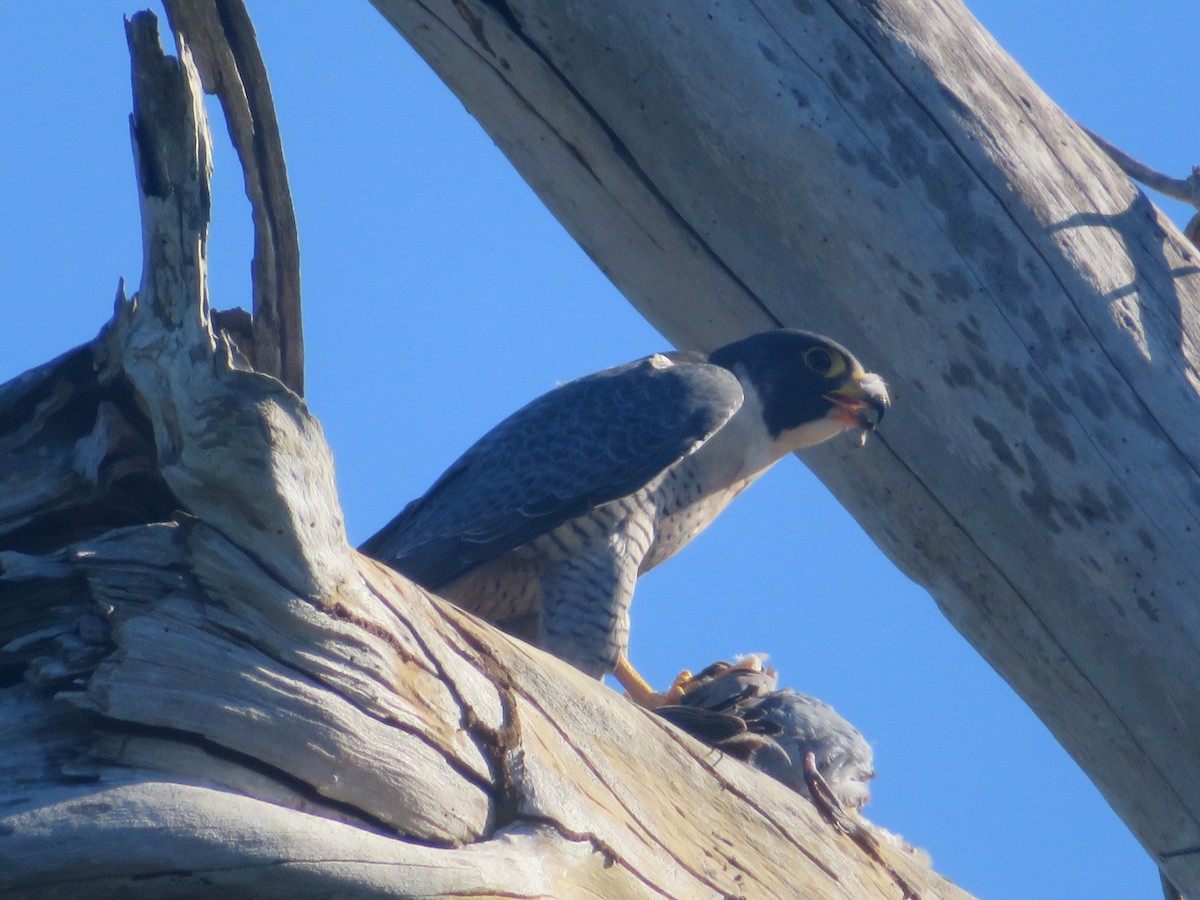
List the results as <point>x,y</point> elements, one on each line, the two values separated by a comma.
<point>205,691</point>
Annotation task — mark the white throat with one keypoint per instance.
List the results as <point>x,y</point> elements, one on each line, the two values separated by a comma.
<point>762,450</point>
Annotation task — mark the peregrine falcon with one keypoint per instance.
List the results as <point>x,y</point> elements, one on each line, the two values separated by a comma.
<point>544,525</point>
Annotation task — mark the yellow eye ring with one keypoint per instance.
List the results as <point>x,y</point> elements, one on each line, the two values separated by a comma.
<point>824,362</point>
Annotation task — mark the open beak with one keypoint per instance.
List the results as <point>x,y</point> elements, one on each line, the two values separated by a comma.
<point>861,403</point>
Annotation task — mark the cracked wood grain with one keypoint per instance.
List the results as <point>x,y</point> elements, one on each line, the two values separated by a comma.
<point>170,318</point>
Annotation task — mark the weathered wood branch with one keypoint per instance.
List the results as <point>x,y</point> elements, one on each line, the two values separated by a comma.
<point>204,691</point>
<point>226,54</point>
<point>884,173</point>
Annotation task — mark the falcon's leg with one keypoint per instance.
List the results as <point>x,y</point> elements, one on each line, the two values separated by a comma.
<point>586,594</point>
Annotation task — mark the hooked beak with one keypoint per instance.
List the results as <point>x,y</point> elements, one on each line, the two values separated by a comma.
<point>861,402</point>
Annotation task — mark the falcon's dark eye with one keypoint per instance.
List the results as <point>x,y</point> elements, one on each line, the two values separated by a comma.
<point>823,362</point>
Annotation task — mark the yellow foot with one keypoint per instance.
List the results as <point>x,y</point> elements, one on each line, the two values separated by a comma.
<point>640,692</point>
<point>683,683</point>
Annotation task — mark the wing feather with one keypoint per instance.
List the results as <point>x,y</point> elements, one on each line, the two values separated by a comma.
<point>581,445</point>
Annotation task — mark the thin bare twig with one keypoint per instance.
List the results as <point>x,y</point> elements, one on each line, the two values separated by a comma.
<point>1185,190</point>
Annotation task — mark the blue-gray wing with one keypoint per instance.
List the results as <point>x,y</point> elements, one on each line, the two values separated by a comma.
<point>583,444</point>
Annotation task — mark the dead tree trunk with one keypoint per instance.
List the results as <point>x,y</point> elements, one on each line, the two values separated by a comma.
<point>883,172</point>
<point>204,691</point>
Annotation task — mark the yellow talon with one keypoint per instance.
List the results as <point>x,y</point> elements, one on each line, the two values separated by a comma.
<point>680,686</point>
<point>639,691</point>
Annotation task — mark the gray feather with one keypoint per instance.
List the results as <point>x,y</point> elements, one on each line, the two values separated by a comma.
<point>737,709</point>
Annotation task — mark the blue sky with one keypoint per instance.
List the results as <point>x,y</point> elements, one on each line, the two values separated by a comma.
<point>440,296</point>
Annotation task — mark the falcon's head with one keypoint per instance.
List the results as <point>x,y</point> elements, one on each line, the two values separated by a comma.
<point>807,387</point>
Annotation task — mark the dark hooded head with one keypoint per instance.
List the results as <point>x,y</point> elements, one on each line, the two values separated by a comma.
<point>807,386</point>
